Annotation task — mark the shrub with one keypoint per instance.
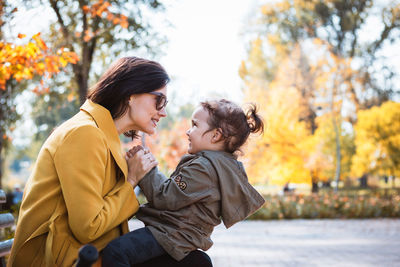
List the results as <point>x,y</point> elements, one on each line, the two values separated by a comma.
<point>343,205</point>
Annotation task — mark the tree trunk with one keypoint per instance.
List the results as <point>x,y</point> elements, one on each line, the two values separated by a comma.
<point>8,116</point>
<point>82,72</point>
<point>337,129</point>
<point>364,181</point>
<point>82,68</point>
<point>3,114</point>
<point>314,184</point>
<point>82,87</point>
<point>314,188</point>
<point>1,159</point>
<point>338,154</point>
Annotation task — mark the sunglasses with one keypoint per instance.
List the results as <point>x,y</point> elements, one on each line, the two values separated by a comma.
<point>161,100</point>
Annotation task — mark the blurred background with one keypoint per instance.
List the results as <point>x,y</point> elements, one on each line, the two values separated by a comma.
<point>325,76</point>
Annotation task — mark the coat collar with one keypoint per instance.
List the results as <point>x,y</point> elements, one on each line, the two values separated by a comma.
<point>104,121</point>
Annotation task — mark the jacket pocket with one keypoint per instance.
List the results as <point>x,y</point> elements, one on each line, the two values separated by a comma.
<point>63,247</point>
<point>63,251</point>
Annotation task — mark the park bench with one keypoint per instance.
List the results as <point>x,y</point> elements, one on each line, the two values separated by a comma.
<point>6,220</point>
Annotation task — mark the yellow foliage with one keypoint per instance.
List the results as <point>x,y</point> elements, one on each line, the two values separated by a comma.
<point>256,58</point>
<point>378,140</point>
<point>277,7</point>
<point>267,10</point>
<point>320,87</point>
<point>289,150</point>
<point>277,156</point>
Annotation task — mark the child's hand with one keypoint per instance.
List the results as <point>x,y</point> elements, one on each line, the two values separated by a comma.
<point>140,162</point>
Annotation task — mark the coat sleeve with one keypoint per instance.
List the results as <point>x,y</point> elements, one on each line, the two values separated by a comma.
<point>81,162</point>
<point>191,184</point>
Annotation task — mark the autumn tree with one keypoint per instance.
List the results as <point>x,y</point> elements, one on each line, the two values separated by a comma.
<point>334,76</point>
<point>322,147</point>
<point>20,63</point>
<point>339,23</point>
<point>279,156</point>
<point>378,141</point>
<point>292,109</point>
<point>99,31</point>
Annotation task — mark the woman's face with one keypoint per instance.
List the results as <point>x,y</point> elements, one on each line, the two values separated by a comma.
<point>142,114</point>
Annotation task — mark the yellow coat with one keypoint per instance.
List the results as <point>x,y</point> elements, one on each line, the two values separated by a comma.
<point>77,193</point>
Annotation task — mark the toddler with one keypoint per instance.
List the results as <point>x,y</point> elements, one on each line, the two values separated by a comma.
<point>207,186</point>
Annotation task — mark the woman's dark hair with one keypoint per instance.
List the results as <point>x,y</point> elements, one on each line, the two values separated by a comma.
<point>125,77</point>
<point>234,123</point>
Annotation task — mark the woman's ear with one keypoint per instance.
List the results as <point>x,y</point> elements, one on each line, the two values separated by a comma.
<point>217,135</point>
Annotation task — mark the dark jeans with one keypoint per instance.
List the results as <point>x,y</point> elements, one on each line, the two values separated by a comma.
<point>134,247</point>
<point>195,258</point>
<point>140,249</point>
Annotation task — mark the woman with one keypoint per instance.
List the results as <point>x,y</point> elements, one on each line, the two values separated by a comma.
<point>81,188</point>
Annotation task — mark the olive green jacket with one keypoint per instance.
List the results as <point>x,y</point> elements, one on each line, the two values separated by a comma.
<point>77,192</point>
<point>183,210</point>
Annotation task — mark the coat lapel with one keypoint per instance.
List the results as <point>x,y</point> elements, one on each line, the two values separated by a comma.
<point>105,122</point>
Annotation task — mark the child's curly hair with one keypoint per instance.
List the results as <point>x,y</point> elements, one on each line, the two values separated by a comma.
<point>234,123</point>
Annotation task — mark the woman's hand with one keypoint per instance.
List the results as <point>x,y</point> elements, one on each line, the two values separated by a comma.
<point>140,161</point>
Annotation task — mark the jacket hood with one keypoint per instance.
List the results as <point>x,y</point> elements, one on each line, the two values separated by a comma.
<point>239,199</point>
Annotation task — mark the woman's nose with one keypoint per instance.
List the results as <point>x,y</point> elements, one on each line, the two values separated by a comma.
<point>163,112</point>
<point>187,132</point>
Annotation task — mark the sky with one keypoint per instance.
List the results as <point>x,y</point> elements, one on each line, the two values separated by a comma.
<point>206,47</point>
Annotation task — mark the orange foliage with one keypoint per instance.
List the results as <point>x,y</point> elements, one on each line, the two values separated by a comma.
<point>23,62</point>
<point>172,144</point>
<point>101,9</point>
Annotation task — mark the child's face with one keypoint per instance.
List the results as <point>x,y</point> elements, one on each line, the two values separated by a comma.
<point>197,139</point>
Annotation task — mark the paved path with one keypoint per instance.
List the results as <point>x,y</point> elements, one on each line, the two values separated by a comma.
<point>306,243</point>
